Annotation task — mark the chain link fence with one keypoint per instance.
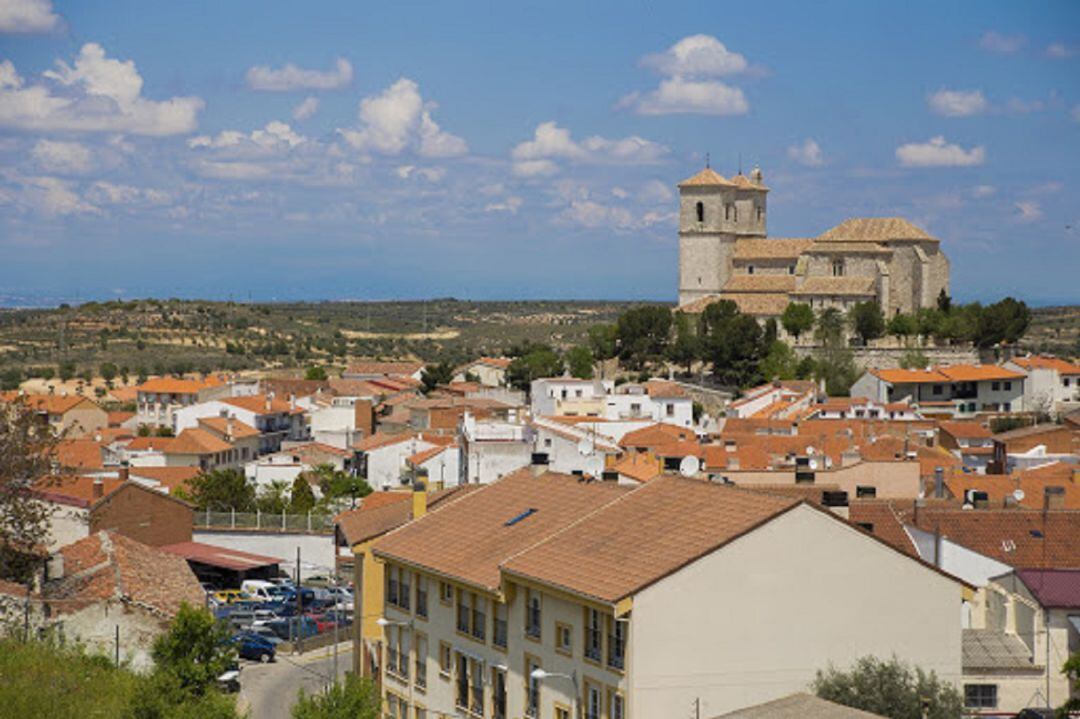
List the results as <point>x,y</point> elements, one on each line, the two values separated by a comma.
<point>266,522</point>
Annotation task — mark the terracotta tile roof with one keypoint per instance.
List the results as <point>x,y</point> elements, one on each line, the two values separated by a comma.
<point>908,376</point>
<point>639,466</point>
<point>470,538</point>
<point>218,556</point>
<point>175,385</point>
<point>799,706</point>
<point>150,444</point>
<point>197,441</point>
<point>874,229</point>
<point>1021,538</point>
<point>644,536</point>
<point>977,372</point>
<point>383,511</point>
<point>1054,588</point>
<point>424,455</point>
<point>108,435</point>
<point>258,405</point>
<point>74,490</point>
<point>655,435</point>
<point>124,394</point>
<point>1032,482</point>
<point>886,522</point>
<point>405,368</point>
<point>50,403</point>
<point>1033,431</point>
<point>706,177</point>
<point>79,454</point>
<point>381,439</point>
<point>774,248</point>
<point>698,306</point>
<point>496,362</point>
<point>111,566</point>
<point>851,286</point>
<point>118,418</point>
<point>220,426</point>
<point>757,304</point>
<point>314,449</point>
<point>966,430</point>
<point>663,389</point>
<point>1041,362</point>
<point>822,247</point>
<point>759,283</point>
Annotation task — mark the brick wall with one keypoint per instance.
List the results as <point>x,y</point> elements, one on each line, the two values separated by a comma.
<point>143,514</point>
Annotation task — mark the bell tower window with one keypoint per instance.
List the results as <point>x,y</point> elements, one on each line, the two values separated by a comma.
<point>701,212</point>
<point>838,268</point>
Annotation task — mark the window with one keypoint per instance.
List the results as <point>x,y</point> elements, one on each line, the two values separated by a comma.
<point>593,635</point>
<point>498,630</point>
<point>937,389</point>
<point>670,409</point>
<point>749,269</point>
<point>406,591</point>
<point>980,696</point>
<point>498,694</point>
<point>701,212</point>
<point>791,269</point>
<point>479,618</point>
<point>421,661</point>
<point>1008,386</point>
<point>616,658</point>
<point>865,492</point>
<point>421,596</point>
<point>593,701</point>
<point>392,586</point>
<point>532,688</point>
<point>397,652</point>
<point>464,611</point>
<point>727,211</point>
<point>563,638</point>
<point>760,213</point>
<point>1065,381</point>
<point>445,659</point>
<point>532,614</point>
<point>446,593</point>
<point>616,706</point>
<point>995,386</point>
<point>420,713</point>
<point>562,712</point>
<point>1007,406</point>
<point>461,696</point>
<point>838,268</point>
<point>476,680</point>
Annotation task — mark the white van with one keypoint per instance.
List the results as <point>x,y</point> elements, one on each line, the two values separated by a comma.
<point>260,590</point>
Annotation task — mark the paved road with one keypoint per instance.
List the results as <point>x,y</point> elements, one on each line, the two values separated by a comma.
<point>270,690</point>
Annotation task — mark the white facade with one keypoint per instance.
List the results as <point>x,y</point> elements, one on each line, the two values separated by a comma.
<point>386,465</point>
<point>1048,388</point>
<point>444,469</point>
<point>633,402</point>
<point>491,449</point>
<point>570,449</point>
<point>974,568</point>
<point>275,427</point>
<point>335,424</point>
<point>568,396</point>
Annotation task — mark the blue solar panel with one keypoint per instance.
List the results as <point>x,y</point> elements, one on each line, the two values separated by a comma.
<point>518,518</point>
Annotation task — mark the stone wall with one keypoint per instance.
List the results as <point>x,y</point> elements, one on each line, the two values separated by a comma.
<point>889,357</point>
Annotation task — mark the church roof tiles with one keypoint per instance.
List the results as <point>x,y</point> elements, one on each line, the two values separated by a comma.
<point>874,229</point>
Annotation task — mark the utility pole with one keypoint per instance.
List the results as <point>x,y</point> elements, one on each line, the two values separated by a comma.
<point>117,645</point>
<point>337,618</point>
<point>299,607</point>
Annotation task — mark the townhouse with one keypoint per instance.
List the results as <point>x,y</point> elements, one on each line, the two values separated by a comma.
<point>972,442</point>
<point>382,459</point>
<point>70,415</point>
<point>569,396</point>
<point>488,371</point>
<point>275,420</point>
<point>787,396</point>
<point>1052,385</point>
<point>550,596</point>
<point>956,391</point>
<point>158,399</point>
<point>656,400</point>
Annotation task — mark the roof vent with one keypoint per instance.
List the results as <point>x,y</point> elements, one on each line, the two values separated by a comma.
<point>524,515</point>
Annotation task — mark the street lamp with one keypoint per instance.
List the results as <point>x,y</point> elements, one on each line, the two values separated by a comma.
<point>539,675</point>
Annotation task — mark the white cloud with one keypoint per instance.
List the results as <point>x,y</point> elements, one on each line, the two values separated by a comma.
<point>808,153</point>
<point>65,158</point>
<point>290,77</point>
<point>679,95</point>
<point>696,56</point>
<point>28,16</point>
<point>100,95</point>
<point>1060,51</point>
<point>996,42</point>
<point>588,213</point>
<point>551,142</point>
<point>511,204</point>
<point>398,119</point>
<point>108,193</point>
<point>1023,107</point>
<point>980,191</point>
<point>276,134</point>
<point>1029,211</point>
<point>431,174</point>
<point>655,192</point>
<point>938,153</point>
<point>54,197</point>
<point>958,103</point>
<point>306,108</point>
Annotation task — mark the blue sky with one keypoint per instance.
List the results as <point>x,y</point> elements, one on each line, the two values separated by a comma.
<point>503,150</point>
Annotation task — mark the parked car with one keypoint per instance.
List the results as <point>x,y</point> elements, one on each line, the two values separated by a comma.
<point>264,631</point>
<point>229,596</point>
<point>262,590</point>
<point>230,680</point>
<point>307,596</point>
<point>292,627</point>
<point>239,619</point>
<point>319,580</point>
<point>252,646</point>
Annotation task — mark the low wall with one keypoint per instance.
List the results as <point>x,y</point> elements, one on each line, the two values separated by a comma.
<point>889,357</point>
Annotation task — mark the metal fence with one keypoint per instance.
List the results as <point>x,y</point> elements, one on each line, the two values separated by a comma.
<point>262,521</point>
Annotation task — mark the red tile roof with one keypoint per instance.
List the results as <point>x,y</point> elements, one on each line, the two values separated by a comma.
<point>1053,363</point>
<point>1021,538</point>
<point>383,511</point>
<point>197,441</point>
<point>174,385</point>
<point>50,403</point>
<point>219,556</point>
<point>73,490</point>
<point>1054,588</point>
<point>79,454</point>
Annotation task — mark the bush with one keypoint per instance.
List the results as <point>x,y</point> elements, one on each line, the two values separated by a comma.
<point>889,688</point>
<point>354,698</point>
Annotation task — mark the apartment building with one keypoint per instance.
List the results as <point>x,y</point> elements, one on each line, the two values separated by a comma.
<point>956,391</point>
<point>550,596</point>
<point>1052,386</point>
<point>276,420</point>
<point>159,398</point>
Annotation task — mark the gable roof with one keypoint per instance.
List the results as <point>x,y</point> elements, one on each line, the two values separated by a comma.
<point>1057,364</point>
<point>773,248</point>
<point>1020,538</point>
<point>1033,483</point>
<point>196,441</point>
<point>50,403</point>
<point>874,229</point>
<point>108,566</point>
<point>707,177</point>
<point>263,404</point>
<point>644,536</point>
<point>381,512</point>
<point>885,521</point>
<point>79,454</point>
<point>799,706</point>
<point>638,466</point>
<point>74,490</point>
<point>657,434</point>
<point>176,385</point>
<point>1053,588</point>
<point>760,283</point>
<point>947,373</point>
<point>221,425</point>
<point>470,538</point>
<point>848,286</point>
<point>171,478</point>
<point>965,430</point>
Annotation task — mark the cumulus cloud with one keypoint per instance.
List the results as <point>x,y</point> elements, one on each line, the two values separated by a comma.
<point>431,174</point>
<point>28,16</point>
<point>1023,107</point>
<point>510,205</point>
<point>290,77</point>
<point>551,142</point>
<point>957,103</point>
<point>981,191</point>
<point>696,56</point>
<point>64,158</point>
<point>54,197</point>
<point>939,153</point>
<point>108,193</point>
<point>276,134</point>
<point>306,108</point>
<point>997,42</point>
<point>100,94</point>
<point>1029,211</point>
<point>689,67</point>
<point>398,119</point>
<point>808,153</point>
<point>1060,51</point>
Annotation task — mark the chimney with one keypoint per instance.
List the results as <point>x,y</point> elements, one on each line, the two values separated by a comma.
<point>229,428</point>
<point>1053,498</point>
<point>269,399</point>
<point>99,488</point>
<point>124,473</point>
<point>292,402</point>
<point>54,568</point>
<point>419,500</point>
<point>939,481</point>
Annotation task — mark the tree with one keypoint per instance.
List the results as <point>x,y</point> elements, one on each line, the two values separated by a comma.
<point>302,498</point>
<point>221,489</point>
<point>798,317</point>
<point>354,698</point>
<point>779,362</point>
<point>10,379</point>
<point>901,325</point>
<point>914,359</point>
<point>602,341</point>
<point>25,457</point>
<point>890,688</point>
<point>833,362</point>
<point>642,334</point>
<point>315,373</point>
<point>733,343</point>
<point>829,328</point>
<point>435,375</point>
<point>867,320</point>
<point>273,498</point>
<point>1071,669</point>
<point>336,484</point>
<point>108,371</point>
<point>1004,321</point>
<point>66,370</point>
<point>535,362</point>
<point>687,345</point>
<point>579,360</point>
<point>195,649</point>
<point>944,302</point>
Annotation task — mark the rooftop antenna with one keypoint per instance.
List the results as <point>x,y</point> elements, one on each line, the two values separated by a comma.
<point>706,160</point>
<point>740,163</point>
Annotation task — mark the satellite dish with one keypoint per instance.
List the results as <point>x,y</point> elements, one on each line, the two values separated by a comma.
<point>809,451</point>
<point>1018,495</point>
<point>585,446</point>
<point>813,464</point>
<point>689,466</point>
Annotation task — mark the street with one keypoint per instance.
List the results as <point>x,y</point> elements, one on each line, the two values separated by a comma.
<point>270,690</point>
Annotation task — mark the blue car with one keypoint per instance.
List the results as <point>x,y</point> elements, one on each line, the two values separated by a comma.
<point>252,646</point>
<point>293,627</point>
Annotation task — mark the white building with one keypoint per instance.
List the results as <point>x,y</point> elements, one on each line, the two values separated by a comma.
<point>571,449</point>
<point>276,420</point>
<point>658,400</point>
<point>491,449</point>
<point>489,371</point>
<point>383,458</point>
<point>159,398</point>
<point>957,391</point>
<point>1052,385</point>
<point>569,396</point>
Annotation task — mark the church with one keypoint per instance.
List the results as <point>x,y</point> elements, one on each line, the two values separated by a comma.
<point>725,254</point>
